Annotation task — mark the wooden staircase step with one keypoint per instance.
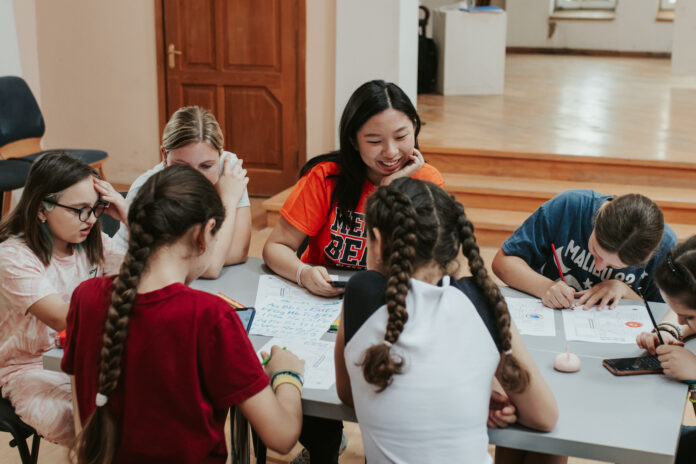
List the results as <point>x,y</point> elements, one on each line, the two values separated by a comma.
<point>562,167</point>
<point>526,194</point>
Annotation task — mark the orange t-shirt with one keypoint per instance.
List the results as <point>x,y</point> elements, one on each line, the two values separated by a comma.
<point>331,241</point>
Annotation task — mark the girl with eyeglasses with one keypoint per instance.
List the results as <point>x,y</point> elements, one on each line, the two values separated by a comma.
<point>51,242</point>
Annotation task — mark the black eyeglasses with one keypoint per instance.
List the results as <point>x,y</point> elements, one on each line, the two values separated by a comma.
<point>84,212</point>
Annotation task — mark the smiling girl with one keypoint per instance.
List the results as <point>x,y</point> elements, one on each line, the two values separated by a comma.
<point>193,137</point>
<point>49,244</point>
<point>378,143</point>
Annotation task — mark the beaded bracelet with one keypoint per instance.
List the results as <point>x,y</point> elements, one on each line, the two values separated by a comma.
<point>669,331</point>
<point>674,326</point>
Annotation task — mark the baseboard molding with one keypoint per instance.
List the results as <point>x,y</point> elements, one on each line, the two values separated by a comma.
<point>586,52</point>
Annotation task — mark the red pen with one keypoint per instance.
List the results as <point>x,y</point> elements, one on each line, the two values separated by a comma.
<point>558,262</point>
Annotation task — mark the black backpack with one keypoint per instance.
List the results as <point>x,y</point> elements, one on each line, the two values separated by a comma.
<point>427,57</point>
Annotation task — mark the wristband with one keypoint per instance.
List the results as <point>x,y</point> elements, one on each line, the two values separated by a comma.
<point>674,326</point>
<point>287,376</point>
<point>298,274</point>
<point>290,372</point>
<point>281,379</point>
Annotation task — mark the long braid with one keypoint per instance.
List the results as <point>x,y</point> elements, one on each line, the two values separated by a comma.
<point>168,205</point>
<point>379,364</point>
<point>513,376</point>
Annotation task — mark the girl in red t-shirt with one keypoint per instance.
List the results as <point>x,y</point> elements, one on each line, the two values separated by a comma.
<point>156,364</point>
<point>378,143</point>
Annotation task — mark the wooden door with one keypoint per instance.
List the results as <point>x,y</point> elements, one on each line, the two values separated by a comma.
<point>243,60</point>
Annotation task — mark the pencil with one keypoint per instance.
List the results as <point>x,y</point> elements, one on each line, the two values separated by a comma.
<point>231,302</point>
<point>558,262</point>
<point>652,318</point>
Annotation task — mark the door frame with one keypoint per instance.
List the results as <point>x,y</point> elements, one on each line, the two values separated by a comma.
<point>300,111</point>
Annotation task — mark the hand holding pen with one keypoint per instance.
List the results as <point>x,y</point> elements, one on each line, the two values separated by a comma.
<point>281,359</point>
<point>558,295</point>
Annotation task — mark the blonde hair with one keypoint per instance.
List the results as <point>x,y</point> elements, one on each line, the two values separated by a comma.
<point>192,124</point>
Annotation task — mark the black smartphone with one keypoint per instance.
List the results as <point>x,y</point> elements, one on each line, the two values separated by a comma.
<point>246,315</point>
<point>633,366</point>
<point>339,283</point>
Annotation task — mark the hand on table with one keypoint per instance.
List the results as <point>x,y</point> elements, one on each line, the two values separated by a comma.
<point>501,412</point>
<point>118,207</point>
<point>677,362</point>
<point>282,359</point>
<point>559,295</point>
<point>415,162</point>
<point>649,341</point>
<point>607,293</point>
<point>316,279</point>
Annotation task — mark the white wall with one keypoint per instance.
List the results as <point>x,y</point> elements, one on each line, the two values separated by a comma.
<point>380,45</point>
<point>10,64</point>
<point>320,76</point>
<point>684,51</point>
<point>633,29</point>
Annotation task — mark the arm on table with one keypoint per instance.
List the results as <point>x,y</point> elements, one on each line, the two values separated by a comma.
<point>277,416</point>
<point>516,273</point>
<point>280,254</point>
<point>536,405</point>
<point>345,393</point>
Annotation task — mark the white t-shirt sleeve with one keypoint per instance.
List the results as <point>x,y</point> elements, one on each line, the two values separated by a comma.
<point>23,277</point>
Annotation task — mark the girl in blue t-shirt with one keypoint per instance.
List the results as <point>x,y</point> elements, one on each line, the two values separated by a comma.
<point>606,249</point>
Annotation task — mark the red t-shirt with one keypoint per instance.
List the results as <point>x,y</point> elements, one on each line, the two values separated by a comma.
<point>331,241</point>
<point>187,360</point>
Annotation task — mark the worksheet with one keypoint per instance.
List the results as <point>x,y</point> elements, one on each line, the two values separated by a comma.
<point>285,310</point>
<point>318,356</point>
<point>531,317</point>
<point>619,325</point>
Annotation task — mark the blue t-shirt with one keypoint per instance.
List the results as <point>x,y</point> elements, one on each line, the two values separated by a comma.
<point>567,221</point>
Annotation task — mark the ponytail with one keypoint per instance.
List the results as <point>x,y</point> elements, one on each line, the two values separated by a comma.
<point>513,376</point>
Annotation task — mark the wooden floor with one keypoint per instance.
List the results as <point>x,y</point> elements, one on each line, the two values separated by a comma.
<point>575,105</point>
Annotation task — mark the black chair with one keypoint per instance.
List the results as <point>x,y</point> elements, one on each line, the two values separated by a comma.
<point>22,126</point>
<point>9,422</point>
<point>13,173</point>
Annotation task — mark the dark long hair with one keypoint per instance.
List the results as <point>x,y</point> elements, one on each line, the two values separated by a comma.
<point>167,206</point>
<point>420,223</point>
<point>631,226</point>
<point>48,177</point>
<point>676,274</point>
<point>369,99</point>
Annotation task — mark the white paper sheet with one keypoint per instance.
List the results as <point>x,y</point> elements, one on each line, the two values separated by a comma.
<point>531,317</point>
<point>619,325</point>
<point>318,356</point>
<point>285,310</point>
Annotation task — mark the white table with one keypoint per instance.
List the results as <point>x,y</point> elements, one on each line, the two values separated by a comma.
<point>631,419</point>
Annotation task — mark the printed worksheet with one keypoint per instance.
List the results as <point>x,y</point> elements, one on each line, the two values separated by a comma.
<point>318,356</point>
<point>531,317</point>
<point>619,325</point>
<point>285,310</point>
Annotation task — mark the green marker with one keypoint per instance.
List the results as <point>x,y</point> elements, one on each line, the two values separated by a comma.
<point>265,361</point>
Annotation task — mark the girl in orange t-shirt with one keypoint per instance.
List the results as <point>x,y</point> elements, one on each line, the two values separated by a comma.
<point>378,143</point>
